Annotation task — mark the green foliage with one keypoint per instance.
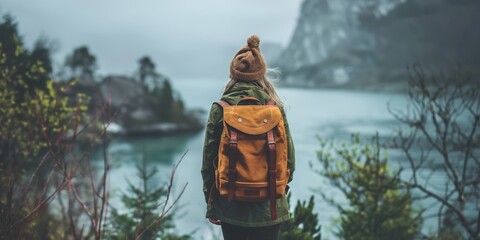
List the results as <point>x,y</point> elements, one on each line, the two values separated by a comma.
<point>35,119</point>
<point>144,212</point>
<point>304,223</point>
<point>166,101</point>
<point>379,207</point>
<point>82,63</point>
<point>32,111</point>
<point>159,93</point>
<point>38,131</point>
<point>146,70</point>
<point>24,70</point>
<point>42,53</point>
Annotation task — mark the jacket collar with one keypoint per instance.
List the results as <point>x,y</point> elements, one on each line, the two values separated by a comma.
<point>243,85</point>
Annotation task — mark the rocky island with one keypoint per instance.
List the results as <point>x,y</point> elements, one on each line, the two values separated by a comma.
<point>144,104</point>
<point>144,111</point>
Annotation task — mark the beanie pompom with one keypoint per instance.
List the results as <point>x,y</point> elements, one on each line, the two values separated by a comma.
<point>253,41</point>
<point>248,63</point>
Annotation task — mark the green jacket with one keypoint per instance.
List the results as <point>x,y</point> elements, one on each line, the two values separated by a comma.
<point>246,214</point>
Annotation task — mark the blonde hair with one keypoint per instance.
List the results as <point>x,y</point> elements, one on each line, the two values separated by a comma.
<point>266,83</point>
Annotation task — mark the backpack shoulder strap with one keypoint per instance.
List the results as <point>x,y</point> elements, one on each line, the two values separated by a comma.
<point>222,104</point>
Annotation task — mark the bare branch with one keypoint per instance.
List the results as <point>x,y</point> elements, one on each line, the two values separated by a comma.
<point>166,208</point>
<point>438,116</point>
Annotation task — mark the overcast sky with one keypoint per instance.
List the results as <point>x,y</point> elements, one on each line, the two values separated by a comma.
<point>186,38</point>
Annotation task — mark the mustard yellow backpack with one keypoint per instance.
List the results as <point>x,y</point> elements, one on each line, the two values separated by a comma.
<point>252,157</point>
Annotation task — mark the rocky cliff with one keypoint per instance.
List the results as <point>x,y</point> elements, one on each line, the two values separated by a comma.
<point>369,43</point>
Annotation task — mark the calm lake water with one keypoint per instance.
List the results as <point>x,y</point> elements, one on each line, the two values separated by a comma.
<point>311,112</point>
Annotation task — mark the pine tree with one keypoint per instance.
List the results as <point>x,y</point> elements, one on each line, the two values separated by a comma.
<point>304,223</point>
<point>167,101</point>
<point>142,204</point>
<point>146,70</point>
<point>82,63</point>
<point>26,72</point>
<point>380,207</point>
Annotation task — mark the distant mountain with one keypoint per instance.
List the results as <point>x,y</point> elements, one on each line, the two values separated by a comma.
<point>369,43</point>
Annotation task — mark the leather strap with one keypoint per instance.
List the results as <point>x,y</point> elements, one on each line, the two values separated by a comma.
<point>232,161</point>
<point>272,173</point>
<point>233,153</point>
<point>248,98</point>
<point>222,103</point>
<point>232,171</point>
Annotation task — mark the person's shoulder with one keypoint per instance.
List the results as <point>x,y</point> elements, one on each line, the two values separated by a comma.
<point>242,89</point>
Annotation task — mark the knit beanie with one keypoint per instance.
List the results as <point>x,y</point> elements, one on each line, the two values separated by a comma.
<point>248,63</point>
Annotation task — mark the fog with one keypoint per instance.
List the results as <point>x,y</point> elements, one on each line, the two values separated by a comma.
<point>184,38</point>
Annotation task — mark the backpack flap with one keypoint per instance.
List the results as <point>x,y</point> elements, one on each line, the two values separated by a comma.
<point>252,119</point>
